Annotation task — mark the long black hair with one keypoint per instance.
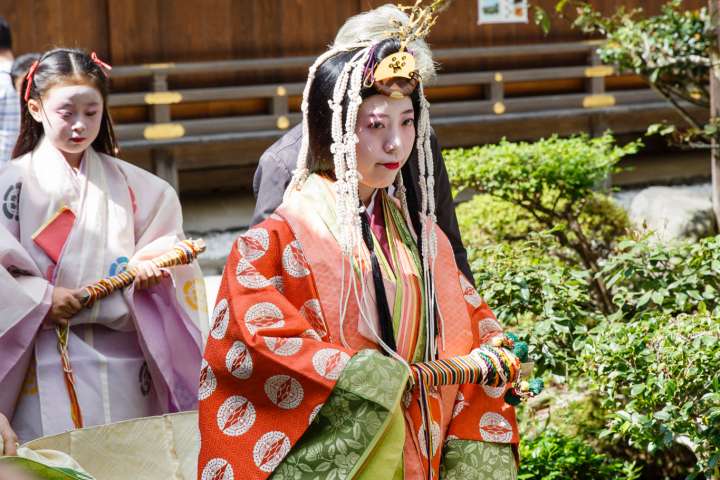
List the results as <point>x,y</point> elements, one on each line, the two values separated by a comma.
<point>321,91</point>
<point>55,67</point>
<point>321,159</point>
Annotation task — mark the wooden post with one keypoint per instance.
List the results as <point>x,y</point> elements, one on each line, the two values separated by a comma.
<point>162,159</point>
<point>597,122</point>
<point>714,9</point>
<point>495,92</point>
<point>596,86</point>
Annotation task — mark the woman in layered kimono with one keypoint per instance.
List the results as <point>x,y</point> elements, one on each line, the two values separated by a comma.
<point>329,310</point>
<point>73,214</point>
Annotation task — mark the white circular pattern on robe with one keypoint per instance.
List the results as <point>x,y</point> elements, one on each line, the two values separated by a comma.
<point>270,449</point>
<point>495,428</point>
<point>254,243</point>
<point>451,437</point>
<point>221,318</point>
<point>277,282</point>
<point>249,277</point>
<point>293,260</point>
<point>407,398</point>
<point>284,391</point>
<point>208,382</point>
<point>469,292</point>
<point>329,362</point>
<point>488,326</point>
<point>460,404</point>
<point>310,333</point>
<point>263,315</point>
<point>235,416</point>
<point>434,433</point>
<point>312,312</point>
<point>314,413</point>
<point>283,346</point>
<point>494,392</point>
<point>217,469</point>
<point>238,361</point>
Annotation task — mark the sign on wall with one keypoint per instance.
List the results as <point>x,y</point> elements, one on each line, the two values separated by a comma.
<point>502,11</point>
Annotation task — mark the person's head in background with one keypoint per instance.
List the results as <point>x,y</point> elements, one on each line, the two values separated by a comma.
<point>373,25</point>
<point>5,40</point>
<point>20,68</point>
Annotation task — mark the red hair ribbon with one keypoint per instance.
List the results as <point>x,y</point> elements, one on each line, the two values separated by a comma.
<point>29,79</point>
<point>103,66</point>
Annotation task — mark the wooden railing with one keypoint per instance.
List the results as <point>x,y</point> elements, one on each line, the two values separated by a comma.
<point>163,132</point>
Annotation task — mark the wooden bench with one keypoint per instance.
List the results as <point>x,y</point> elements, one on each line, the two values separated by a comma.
<point>512,102</point>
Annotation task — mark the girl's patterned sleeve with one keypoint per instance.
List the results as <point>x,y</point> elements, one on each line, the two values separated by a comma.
<point>481,412</point>
<point>267,367</point>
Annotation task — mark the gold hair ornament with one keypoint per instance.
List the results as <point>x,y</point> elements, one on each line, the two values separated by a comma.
<point>402,63</point>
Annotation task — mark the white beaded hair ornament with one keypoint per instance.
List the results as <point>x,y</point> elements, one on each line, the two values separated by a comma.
<point>395,76</point>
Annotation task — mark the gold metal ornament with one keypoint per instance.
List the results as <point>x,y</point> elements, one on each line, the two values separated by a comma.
<point>400,64</point>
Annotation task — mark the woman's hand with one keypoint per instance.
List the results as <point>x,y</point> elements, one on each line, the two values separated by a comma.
<point>148,275</point>
<point>65,304</point>
<point>8,437</point>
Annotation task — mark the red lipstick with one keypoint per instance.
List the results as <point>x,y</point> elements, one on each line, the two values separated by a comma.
<point>391,166</point>
<point>77,139</point>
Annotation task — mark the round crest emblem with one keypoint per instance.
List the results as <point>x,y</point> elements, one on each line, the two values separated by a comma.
<point>235,416</point>
<point>469,292</point>
<point>254,243</point>
<point>294,260</point>
<point>263,315</point>
<point>284,391</point>
<point>238,361</point>
<point>221,318</point>
<point>11,202</point>
<point>495,428</point>
<point>283,346</point>
<point>208,382</point>
<point>329,362</point>
<point>249,277</point>
<point>217,469</point>
<point>270,449</point>
<point>435,435</point>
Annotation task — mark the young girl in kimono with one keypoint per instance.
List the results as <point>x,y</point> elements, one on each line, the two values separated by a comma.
<point>73,214</point>
<point>328,308</point>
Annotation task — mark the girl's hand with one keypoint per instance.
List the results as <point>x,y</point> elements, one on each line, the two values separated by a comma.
<point>9,439</point>
<point>148,275</point>
<point>65,304</point>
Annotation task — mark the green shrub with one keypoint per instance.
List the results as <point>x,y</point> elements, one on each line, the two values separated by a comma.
<point>650,277</point>
<point>551,456</point>
<point>554,181</point>
<point>486,220</point>
<point>658,375</point>
<point>546,301</point>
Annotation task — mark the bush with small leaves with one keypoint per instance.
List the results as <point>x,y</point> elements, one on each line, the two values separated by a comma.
<point>555,181</point>
<point>554,456</point>
<point>546,301</point>
<point>649,277</point>
<point>658,377</point>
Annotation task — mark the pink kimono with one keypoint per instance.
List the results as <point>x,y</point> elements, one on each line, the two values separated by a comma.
<point>134,353</point>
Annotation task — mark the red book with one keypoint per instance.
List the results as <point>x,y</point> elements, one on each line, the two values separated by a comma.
<point>52,235</point>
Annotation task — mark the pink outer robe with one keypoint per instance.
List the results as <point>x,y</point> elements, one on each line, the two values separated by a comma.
<point>135,353</point>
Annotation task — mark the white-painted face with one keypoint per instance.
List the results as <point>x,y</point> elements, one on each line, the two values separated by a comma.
<point>386,132</point>
<point>71,115</point>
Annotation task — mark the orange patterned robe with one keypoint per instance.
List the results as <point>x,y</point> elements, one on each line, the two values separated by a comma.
<point>273,356</point>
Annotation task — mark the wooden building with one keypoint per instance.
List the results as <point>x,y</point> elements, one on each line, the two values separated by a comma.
<point>202,87</point>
